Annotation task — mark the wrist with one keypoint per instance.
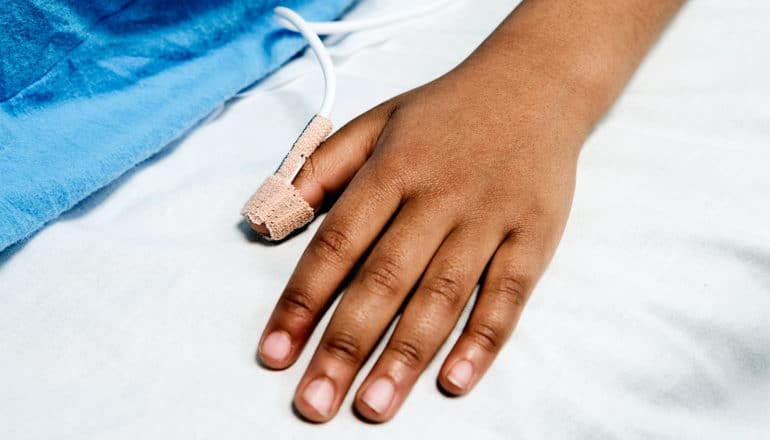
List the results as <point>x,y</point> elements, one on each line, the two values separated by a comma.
<point>579,84</point>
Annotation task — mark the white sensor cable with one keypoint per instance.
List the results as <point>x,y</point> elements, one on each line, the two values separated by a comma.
<point>347,26</point>
<point>311,31</point>
<point>330,77</point>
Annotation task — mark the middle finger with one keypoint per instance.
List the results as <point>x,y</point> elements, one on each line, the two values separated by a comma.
<point>427,320</point>
<point>367,308</point>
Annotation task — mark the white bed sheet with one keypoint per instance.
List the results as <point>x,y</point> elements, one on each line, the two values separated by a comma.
<point>137,314</point>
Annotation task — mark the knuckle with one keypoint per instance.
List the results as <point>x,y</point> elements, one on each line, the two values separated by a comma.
<point>444,289</point>
<point>332,244</point>
<point>382,276</point>
<point>343,346</point>
<point>542,206</point>
<point>486,336</point>
<point>388,176</point>
<point>409,353</point>
<point>511,290</point>
<point>299,303</point>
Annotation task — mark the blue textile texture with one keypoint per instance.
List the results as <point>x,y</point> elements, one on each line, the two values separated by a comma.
<point>90,88</point>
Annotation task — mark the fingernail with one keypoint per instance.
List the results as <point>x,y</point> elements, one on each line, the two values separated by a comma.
<point>276,346</point>
<point>319,394</point>
<point>379,395</point>
<point>461,374</point>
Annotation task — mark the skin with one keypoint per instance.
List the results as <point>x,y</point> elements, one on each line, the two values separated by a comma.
<point>468,179</point>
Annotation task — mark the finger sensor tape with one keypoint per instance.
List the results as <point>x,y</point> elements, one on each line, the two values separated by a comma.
<point>277,205</point>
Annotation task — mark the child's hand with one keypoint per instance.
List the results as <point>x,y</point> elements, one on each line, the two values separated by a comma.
<point>446,181</point>
<point>471,174</point>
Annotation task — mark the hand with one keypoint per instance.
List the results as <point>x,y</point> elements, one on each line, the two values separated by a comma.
<point>445,182</point>
<point>467,178</point>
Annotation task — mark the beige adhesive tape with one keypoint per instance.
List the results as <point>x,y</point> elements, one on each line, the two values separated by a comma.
<point>277,207</point>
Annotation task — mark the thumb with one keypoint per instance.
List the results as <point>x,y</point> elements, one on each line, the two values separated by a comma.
<point>329,169</point>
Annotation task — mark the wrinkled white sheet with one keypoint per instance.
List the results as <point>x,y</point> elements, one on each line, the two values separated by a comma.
<point>137,314</point>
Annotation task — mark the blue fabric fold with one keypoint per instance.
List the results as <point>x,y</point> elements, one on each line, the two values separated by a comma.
<point>88,89</point>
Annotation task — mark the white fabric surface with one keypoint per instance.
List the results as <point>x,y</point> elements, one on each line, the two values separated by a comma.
<point>137,314</point>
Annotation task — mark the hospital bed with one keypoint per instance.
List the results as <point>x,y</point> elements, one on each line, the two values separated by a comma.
<point>137,314</point>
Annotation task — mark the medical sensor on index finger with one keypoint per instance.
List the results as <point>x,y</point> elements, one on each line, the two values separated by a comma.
<point>277,208</point>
